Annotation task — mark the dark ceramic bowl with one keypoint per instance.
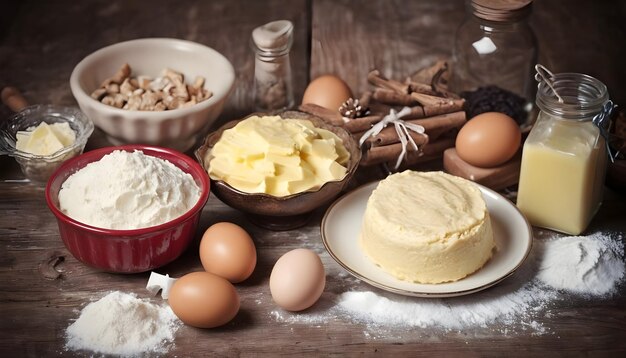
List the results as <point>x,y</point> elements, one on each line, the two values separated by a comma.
<point>128,251</point>
<point>287,212</point>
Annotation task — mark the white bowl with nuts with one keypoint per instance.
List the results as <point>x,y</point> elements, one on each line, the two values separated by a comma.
<point>156,91</point>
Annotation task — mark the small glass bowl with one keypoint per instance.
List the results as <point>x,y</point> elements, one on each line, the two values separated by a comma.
<point>38,168</point>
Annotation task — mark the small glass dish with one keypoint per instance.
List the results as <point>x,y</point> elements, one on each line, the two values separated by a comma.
<point>38,168</point>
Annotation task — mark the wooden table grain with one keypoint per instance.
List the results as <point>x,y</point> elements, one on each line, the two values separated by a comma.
<point>40,43</point>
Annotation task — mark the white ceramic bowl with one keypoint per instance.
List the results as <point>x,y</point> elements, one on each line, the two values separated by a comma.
<point>178,128</point>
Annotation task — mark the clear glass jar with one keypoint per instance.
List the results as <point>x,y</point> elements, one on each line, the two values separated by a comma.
<point>564,157</point>
<point>38,168</point>
<point>272,68</point>
<point>495,46</point>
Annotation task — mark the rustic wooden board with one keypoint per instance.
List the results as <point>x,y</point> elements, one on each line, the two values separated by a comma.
<point>40,42</point>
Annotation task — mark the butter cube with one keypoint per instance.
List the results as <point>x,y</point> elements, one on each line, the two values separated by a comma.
<point>277,187</point>
<point>42,141</point>
<point>324,148</point>
<point>289,161</point>
<point>247,186</point>
<point>308,181</point>
<point>289,173</point>
<point>64,133</point>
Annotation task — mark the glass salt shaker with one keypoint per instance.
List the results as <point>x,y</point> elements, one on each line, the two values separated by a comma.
<point>495,46</point>
<point>564,158</point>
<point>272,69</point>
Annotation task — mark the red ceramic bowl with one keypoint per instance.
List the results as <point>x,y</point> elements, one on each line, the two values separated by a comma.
<point>128,251</point>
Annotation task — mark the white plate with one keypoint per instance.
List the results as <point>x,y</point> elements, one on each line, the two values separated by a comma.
<point>342,224</point>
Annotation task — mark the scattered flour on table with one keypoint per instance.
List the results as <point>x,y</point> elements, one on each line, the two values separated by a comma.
<point>586,265</point>
<point>556,268</point>
<point>120,323</point>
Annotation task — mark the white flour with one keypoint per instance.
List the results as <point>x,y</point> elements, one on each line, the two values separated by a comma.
<point>124,191</point>
<point>121,323</point>
<point>556,269</point>
<point>585,265</point>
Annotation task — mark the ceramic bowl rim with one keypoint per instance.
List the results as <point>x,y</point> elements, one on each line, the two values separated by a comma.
<point>79,72</point>
<point>196,171</point>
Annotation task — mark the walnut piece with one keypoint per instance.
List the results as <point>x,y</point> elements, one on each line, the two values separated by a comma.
<point>142,93</point>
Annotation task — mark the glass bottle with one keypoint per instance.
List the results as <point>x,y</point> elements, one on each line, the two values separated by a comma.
<point>495,46</point>
<point>565,155</point>
<point>272,68</point>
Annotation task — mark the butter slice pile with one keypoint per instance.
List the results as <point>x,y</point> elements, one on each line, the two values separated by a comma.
<point>45,139</point>
<point>277,156</point>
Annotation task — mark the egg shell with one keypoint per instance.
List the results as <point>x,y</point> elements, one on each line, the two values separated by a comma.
<point>204,300</point>
<point>228,251</point>
<point>327,91</point>
<point>297,280</point>
<point>488,140</point>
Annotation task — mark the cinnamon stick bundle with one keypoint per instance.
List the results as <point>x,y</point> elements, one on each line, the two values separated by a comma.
<point>441,124</point>
<point>429,111</point>
<point>428,74</point>
<point>362,124</point>
<point>393,98</point>
<point>374,77</point>
<point>428,100</point>
<point>430,151</point>
<point>434,128</point>
<point>390,136</point>
<point>391,152</point>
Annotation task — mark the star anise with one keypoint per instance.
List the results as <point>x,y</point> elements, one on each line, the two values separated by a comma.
<point>352,109</point>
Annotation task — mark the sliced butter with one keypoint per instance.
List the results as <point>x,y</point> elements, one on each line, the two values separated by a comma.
<point>277,156</point>
<point>45,139</point>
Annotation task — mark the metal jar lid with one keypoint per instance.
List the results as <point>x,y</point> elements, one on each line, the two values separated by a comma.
<point>501,10</point>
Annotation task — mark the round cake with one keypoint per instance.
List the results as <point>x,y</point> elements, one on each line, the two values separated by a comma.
<point>427,227</point>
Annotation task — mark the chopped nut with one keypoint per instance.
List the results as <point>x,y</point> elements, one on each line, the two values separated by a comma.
<point>148,101</point>
<point>204,95</point>
<point>199,82</point>
<point>113,88</point>
<point>99,94</point>
<point>174,76</point>
<point>134,102</point>
<point>171,102</point>
<point>192,90</point>
<point>159,83</point>
<point>189,103</point>
<point>119,76</point>
<point>160,106</point>
<point>144,82</point>
<point>143,93</point>
<point>126,88</point>
<point>108,100</point>
<point>119,100</point>
<point>181,92</point>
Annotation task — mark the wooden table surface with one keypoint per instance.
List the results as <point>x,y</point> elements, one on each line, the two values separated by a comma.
<point>41,42</point>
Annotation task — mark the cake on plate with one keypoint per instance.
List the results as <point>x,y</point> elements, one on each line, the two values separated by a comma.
<point>427,227</point>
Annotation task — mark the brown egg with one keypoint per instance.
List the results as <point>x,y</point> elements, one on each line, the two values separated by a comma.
<point>204,300</point>
<point>297,280</point>
<point>327,91</point>
<point>488,140</point>
<point>228,251</point>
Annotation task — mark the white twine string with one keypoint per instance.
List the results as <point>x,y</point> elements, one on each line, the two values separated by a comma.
<point>402,129</point>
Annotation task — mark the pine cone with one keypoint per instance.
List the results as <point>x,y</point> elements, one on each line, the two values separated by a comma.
<point>352,109</point>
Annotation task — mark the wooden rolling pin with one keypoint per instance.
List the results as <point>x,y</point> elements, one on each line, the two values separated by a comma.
<point>12,98</point>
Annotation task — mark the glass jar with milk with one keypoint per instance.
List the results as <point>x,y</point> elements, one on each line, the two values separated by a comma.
<point>565,155</point>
